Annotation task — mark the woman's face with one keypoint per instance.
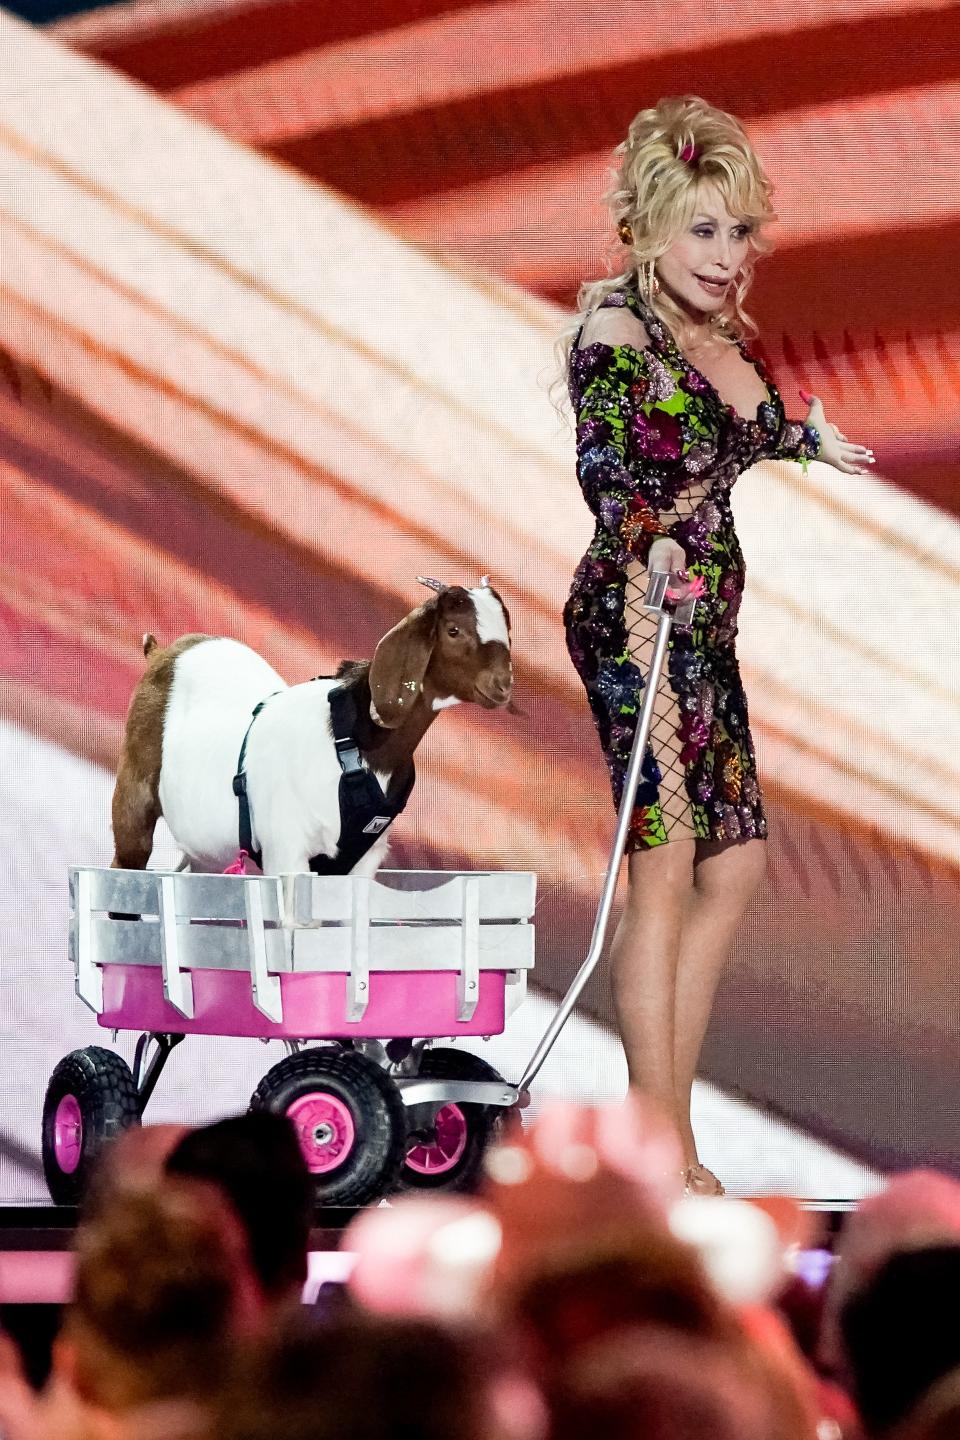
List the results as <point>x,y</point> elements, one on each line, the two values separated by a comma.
<point>702,262</point>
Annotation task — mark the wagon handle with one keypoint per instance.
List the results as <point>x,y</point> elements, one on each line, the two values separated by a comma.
<point>657,602</point>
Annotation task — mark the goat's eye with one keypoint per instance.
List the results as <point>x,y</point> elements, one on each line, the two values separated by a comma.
<point>453,631</point>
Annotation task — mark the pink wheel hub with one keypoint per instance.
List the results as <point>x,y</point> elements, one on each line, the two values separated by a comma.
<point>324,1128</point>
<point>437,1156</point>
<point>68,1134</point>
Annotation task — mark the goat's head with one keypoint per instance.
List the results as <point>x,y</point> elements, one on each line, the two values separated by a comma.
<point>455,647</point>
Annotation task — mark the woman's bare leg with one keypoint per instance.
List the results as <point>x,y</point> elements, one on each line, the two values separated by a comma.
<point>644,959</point>
<point>723,883</point>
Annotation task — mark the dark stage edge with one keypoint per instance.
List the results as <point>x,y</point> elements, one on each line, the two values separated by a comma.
<point>51,1227</point>
<point>48,1228</point>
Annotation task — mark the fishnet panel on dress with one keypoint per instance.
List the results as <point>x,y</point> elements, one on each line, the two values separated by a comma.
<point>685,504</point>
<point>675,806</point>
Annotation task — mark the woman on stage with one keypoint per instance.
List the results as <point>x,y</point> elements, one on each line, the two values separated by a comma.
<point>671,408</point>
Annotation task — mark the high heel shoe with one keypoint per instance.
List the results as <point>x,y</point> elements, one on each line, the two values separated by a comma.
<point>698,1180</point>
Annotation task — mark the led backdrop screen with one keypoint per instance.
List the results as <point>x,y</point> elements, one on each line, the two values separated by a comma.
<point>281,287</point>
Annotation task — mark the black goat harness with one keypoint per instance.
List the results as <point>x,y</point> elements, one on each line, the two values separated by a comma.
<point>365,810</point>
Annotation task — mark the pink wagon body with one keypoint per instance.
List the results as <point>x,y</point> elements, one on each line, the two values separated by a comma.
<point>407,954</point>
<point>313,1006</point>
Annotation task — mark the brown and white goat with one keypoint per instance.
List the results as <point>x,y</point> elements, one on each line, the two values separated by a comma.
<point>191,709</point>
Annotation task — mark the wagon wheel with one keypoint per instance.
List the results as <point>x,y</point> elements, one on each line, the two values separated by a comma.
<point>91,1098</point>
<point>349,1120</point>
<point>448,1154</point>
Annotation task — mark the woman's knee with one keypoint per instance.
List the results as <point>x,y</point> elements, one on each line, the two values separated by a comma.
<point>735,872</point>
<point>663,872</point>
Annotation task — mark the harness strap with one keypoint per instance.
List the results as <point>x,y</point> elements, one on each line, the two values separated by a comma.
<point>365,810</point>
<point>240,790</point>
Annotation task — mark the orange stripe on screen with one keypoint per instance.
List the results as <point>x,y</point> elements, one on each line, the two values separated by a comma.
<point>589,111</point>
<point>477,51</point>
<point>169,44</point>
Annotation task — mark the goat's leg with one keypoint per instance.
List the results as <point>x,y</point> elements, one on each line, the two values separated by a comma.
<point>135,811</point>
<point>280,860</point>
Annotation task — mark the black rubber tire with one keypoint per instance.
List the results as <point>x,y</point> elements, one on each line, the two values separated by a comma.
<point>370,1170</point>
<point>103,1086</point>
<point>483,1123</point>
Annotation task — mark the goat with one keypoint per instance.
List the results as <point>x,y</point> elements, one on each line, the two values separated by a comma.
<point>192,707</point>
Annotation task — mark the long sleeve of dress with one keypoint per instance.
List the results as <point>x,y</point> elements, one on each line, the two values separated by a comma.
<point>627,442</point>
<point>794,440</point>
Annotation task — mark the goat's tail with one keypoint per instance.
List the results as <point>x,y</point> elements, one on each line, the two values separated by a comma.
<point>149,643</point>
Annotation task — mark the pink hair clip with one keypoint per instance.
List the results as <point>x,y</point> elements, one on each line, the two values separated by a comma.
<point>690,153</point>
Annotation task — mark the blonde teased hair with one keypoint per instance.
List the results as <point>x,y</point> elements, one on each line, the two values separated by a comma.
<point>654,195</point>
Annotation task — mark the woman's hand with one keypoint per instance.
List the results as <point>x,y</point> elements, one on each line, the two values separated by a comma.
<point>667,556</point>
<point>836,449</point>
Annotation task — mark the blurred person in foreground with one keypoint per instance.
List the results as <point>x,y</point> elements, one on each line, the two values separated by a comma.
<point>255,1160</point>
<point>634,1333</point>
<point>914,1210</point>
<point>163,1285</point>
<point>937,1417</point>
<point>163,1290</point>
<point>657,1384</point>
<point>359,1378</point>
<point>576,1244</point>
<point>135,1160</point>
<point>900,1334</point>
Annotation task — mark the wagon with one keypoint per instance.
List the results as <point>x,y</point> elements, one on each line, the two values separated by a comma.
<point>358,977</point>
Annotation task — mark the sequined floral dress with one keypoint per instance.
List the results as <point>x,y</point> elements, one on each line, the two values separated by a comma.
<point>658,453</point>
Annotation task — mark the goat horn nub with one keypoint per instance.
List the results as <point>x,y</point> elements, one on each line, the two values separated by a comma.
<point>431,584</point>
<point>484,582</point>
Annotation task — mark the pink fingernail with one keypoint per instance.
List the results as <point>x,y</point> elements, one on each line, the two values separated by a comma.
<point>806,397</point>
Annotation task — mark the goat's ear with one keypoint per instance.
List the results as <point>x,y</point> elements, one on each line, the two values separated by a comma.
<point>399,664</point>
